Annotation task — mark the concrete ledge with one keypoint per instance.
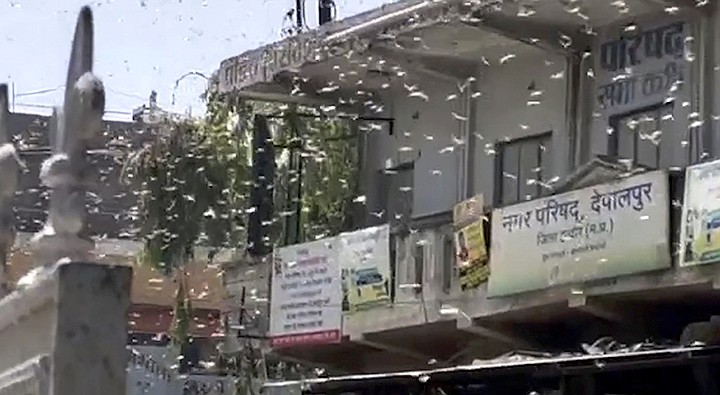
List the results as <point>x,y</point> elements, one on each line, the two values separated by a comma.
<point>382,318</point>
<point>30,377</point>
<point>26,319</point>
<point>23,302</point>
<point>577,295</point>
<point>75,316</point>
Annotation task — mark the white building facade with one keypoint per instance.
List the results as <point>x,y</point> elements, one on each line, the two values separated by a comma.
<point>513,103</point>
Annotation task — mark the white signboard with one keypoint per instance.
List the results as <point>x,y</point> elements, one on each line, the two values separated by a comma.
<point>305,303</point>
<point>700,233</point>
<point>597,232</point>
<point>365,259</point>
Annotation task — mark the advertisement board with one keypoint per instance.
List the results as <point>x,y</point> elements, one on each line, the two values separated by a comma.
<point>700,230</point>
<point>470,249</point>
<point>364,256</point>
<point>598,232</point>
<point>306,293</point>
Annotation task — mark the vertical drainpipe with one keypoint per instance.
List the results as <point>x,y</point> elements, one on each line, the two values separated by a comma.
<point>582,93</point>
<point>707,82</point>
<point>573,95</point>
<point>468,186</point>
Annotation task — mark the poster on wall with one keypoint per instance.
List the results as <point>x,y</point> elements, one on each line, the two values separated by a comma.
<point>305,304</point>
<point>597,232</point>
<point>470,248</point>
<point>364,257</point>
<point>641,66</point>
<point>700,231</point>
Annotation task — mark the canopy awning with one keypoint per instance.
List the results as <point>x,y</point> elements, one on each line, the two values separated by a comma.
<point>545,368</point>
<point>341,38</point>
<point>455,33</point>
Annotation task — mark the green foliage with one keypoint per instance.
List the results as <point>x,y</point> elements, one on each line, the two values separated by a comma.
<point>329,178</point>
<point>192,191</point>
<point>194,179</point>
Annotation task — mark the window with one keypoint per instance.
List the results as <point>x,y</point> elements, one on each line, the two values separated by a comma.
<point>397,193</point>
<point>523,168</point>
<point>637,136</point>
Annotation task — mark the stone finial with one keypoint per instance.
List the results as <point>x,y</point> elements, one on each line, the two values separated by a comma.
<point>65,172</point>
<point>10,166</point>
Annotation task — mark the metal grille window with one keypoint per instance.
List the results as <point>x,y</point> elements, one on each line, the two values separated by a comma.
<point>637,136</point>
<point>522,168</point>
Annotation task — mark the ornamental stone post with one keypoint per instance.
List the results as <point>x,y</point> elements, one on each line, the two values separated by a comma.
<point>10,165</point>
<point>65,172</point>
<point>63,330</point>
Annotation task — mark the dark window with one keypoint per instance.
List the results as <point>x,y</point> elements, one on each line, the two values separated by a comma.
<point>523,168</point>
<point>637,136</point>
<point>397,198</point>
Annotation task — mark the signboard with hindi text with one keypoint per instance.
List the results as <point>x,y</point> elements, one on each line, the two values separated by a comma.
<point>305,295</point>
<point>597,232</point>
<point>470,248</point>
<point>639,65</point>
<point>261,65</point>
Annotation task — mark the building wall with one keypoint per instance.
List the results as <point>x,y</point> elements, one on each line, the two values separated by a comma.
<point>110,200</point>
<point>430,132</point>
<point>524,97</point>
<point>426,133</point>
<point>504,113</point>
<point>680,142</point>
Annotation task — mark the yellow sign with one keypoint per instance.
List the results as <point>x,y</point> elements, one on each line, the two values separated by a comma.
<point>471,251</point>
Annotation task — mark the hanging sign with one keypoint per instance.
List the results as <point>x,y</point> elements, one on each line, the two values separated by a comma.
<point>602,231</point>
<point>470,248</point>
<point>700,232</point>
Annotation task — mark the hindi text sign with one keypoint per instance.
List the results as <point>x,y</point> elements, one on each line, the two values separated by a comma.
<point>602,231</point>
<point>641,67</point>
<point>306,295</point>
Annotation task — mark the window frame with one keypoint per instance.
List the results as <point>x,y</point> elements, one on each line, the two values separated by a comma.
<point>613,148</point>
<point>500,147</point>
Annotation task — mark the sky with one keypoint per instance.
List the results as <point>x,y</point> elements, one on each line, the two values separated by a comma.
<point>140,46</point>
